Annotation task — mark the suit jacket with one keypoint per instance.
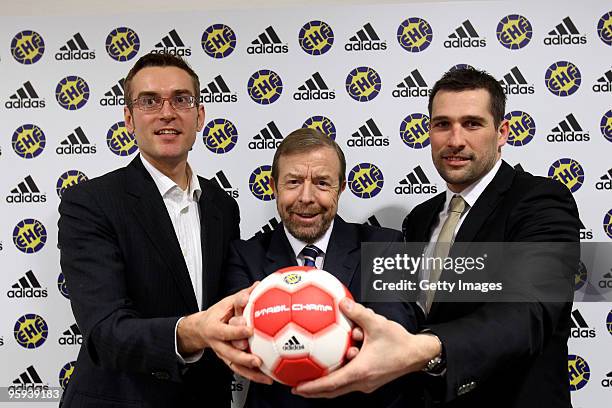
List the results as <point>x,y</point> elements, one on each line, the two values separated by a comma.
<point>263,254</point>
<point>503,354</point>
<point>129,285</point>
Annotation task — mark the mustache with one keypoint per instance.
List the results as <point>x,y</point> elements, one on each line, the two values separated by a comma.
<point>455,153</point>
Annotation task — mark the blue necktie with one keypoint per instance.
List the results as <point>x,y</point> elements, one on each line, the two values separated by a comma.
<point>310,253</point>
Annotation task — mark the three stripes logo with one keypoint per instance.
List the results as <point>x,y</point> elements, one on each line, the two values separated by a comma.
<point>293,344</point>
<point>373,221</point>
<point>25,98</point>
<point>413,86</point>
<point>568,130</point>
<point>76,143</point>
<point>115,96</point>
<point>269,227</point>
<point>26,192</point>
<point>514,83</point>
<point>224,183</point>
<point>72,336</point>
<point>604,84</point>
<point>366,39</point>
<point>28,380</point>
<point>172,44</point>
<point>605,181</point>
<point>465,36</point>
<point>267,138</point>
<point>416,182</point>
<point>565,33</point>
<point>268,42</point>
<point>579,327</point>
<point>75,49</point>
<point>368,135</point>
<point>217,91</point>
<point>27,287</point>
<point>313,89</point>
<point>607,382</point>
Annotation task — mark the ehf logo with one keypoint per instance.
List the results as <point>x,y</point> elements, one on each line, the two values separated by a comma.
<point>568,130</point>
<point>116,96</point>
<point>460,66</point>
<point>76,143</point>
<point>25,98</point>
<point>604,28</point>
<point>31,331</point>
<point>414,130</point>
<point>267,138</point>
<point>29,236</point>
<point>565,33</point>
<point>413,86</point>
<point>220,136</point>
<point>292,278</point>
<point>265,87</point>
<point>562,78</point>
<point>366,39</point>
<point>365,180</point>
<point>607,224</point>
<point>26,192</point>
<point>75,49</point>
<point>314,89</point>
<point>416,182</point>
<point>522,128</point>
<point>122,44</point>
<point>259,183</point>
<point>218,41</point>
<point>465,36</point>
<point>217,91</point>
<point>606,125</point>
<point>514,31</point>
<point>569,172</point>
<point>27,287</point>
<point>69,179</point>
<point>581,276</point>
<point>368,135</point>
<point>268,42</point>
<point>72,92</point>
<point>71,336</point>
<point>323,124</point>
<point>27,47</point>
<point>514,83</point>
<point>224,184</point>
<point>120,141</point>
<point>414,34</point>
<point>579,372</point>
<point>316,37</point>
<point>61,285</point>
<point>172,44</point>
<point>66,373</point>
<point>363,84</point>
<point>28,141</point>
<point>609,322</point>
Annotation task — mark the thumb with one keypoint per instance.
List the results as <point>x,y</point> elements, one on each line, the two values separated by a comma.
<point>356,312</point>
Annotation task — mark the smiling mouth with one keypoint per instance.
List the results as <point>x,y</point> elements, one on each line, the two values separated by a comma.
<point>166,132</point>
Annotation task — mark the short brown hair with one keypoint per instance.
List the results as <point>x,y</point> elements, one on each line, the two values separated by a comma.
<point>305,140</point>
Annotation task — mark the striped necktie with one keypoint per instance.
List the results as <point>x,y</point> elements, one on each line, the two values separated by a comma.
<point>310,253</point>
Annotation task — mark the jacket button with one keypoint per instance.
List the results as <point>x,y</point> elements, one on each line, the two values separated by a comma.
<point>161,375</point>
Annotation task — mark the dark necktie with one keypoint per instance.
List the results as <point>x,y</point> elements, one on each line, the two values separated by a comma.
<point>310,253</point>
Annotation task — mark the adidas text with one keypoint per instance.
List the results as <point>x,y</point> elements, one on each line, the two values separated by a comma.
<point>582,333</point>
<point>605,87</point>
<point>565,40</point>
<point>25,104</point>
<point>268,49</point>
<point>465,43</point>
<point>366,46</point>
<point>180,52</point>
<point>314,95</point>
<point>517,89</point>
<point>568,137</point>
<point>264,144</point>
<point>26,293</point>
<point>26,198</point>
<point>416,189</point>
<point>76,149</point>
<point>75,55</point>
<point>368,141</point>
<point>411,92</point>
<point>218,98</point>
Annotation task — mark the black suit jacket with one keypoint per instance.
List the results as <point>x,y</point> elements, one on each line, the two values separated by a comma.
<point>264,254</point>
<point>129,285</point>
<point>504,354</point>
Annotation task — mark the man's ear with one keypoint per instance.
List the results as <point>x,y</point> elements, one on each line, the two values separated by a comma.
<point>273,185</point>
<point>129,119</point>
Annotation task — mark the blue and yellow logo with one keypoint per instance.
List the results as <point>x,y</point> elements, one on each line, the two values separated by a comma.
<point>581,276</point>
<point>292,278</point>
<point>29,236</point>
<point>522,128</point>
<point>363,84</point>
<point>122,44</point>
<point>259,183</point>
<point>220,136</point>
<point>607,224</point>
<point>514,31</point>
<point>218,41</point>
<point>579,372</point>
<point>28,141</point>
<point>72,92</point>
<point>69,179</point>
<point>265,87</point>
<point>322,124</point>
<point>414,130</point>
<point>61,285</point>
<point>31,331</point>
<point>65,373</point>
<point>460,66</point>
<point>414,34</point>
<point>316,37</point>
<point>606,125</point>
<point>568,172</point>
<point>604,28</point>
<point>609,322</point>
<point>120,141</point>
<point>27,47</point>
<point>563,78</point>
<point>365,180</point>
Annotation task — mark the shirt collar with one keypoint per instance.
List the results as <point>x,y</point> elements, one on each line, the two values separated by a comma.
<point>298,245</point>
<point>165,184</point>
<point>471,193</point>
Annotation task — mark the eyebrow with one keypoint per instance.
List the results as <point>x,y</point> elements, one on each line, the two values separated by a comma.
<point>467,117</point>
<point>175,92</point>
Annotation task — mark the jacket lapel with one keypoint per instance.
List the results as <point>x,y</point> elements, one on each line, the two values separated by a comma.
<point>280,254</point>
<point>211,232</point>
<point>343,257</point>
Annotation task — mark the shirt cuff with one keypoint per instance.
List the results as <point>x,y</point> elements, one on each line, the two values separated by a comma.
<point>194,358</point>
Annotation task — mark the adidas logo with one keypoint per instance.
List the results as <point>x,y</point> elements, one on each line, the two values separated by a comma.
<point>114,97</point>
<point>75,49</point>
<point>373,221</point>
<point>366,39</point>
<point>28,380</point>
<point>607,382</point>
<point>26,192</point>
<point>25,97</point>
<point>172,44</point>
<point>606,181</point>
<point>224,183</point>
<point>585,234</point>
<point>514,83</point>
<point>71,337</point>
<point>412,86</point>
<point>579,327</point>
<point>268,138</point>
<point>565,33</point>
<point>293,345</point>
<point>465,36</point>
<point>217,91</point>
<point>267,42</point>
<point>416,182</point>
<point>76,143</point>
<point>604,84</point>
<point>27,287</point>
<point>368,135</point>
<point>314,88</point>
<point>568,130</point>
<point>269,227</point>
<point>606,282</point>
<point>1,341</point>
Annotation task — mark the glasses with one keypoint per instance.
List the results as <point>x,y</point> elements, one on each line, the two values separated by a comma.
<point>154,103</point>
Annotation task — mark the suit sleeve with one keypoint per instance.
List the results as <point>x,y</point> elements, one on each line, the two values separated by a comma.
<point>236,276</point>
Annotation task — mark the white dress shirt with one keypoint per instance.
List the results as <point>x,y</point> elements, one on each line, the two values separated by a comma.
<point>321,243</point>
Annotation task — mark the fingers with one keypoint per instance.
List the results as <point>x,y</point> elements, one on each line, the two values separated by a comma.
<point>351,353</point>
<point>226,332</point>
<point>251,374</point>
<point>234,356</point>
<point>241,299</point>
<point>359,314</point>
<point>239,321</point>
<point>357,334</point>
<point>335,384</point>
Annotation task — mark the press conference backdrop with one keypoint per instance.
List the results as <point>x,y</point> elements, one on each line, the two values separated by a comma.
<point>361,74</point>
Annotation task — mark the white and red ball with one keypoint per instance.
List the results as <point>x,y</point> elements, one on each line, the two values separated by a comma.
<point>299,331</point>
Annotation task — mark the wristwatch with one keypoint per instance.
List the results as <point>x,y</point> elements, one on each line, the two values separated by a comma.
<point>437,365</point>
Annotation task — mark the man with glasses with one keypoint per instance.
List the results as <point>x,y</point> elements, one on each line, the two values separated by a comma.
<point>142,249</point>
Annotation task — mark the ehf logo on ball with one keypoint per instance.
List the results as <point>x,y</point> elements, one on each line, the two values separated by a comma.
<point>292,278</point>
<point>122,44</point>
<point>514,32</point>
<point>522,128</point>
<point>31,331</point>
<point>28,141</point>
<point>120,141</point>
<point>27,47</point>
<point>605,125</point>
<point>579,372</point>
<point>323,124</point>
<point>563,78</point>
<point>569,172</point>
<point>72,92</point>
<point>604,28</point>
<point>218,41</point>
<point>265,87</point>
<point>607,224</point>
<point>66,373</point>
<point>414,130</point>
<point>414,34</point>
<point>29,236</point>
<point>69,179</point>
<point>259,183</point>
<point>61,285</point>
<point>365,180</point>
<point>316,37</point>
<point>220,136</point>
<point>363,84</point>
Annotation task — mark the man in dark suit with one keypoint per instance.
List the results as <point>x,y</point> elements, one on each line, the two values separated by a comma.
<point>478,354</point>
<point>142,249</point>
<point>308,176</point>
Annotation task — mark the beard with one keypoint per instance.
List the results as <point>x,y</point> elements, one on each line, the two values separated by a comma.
<point>308,234</point>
